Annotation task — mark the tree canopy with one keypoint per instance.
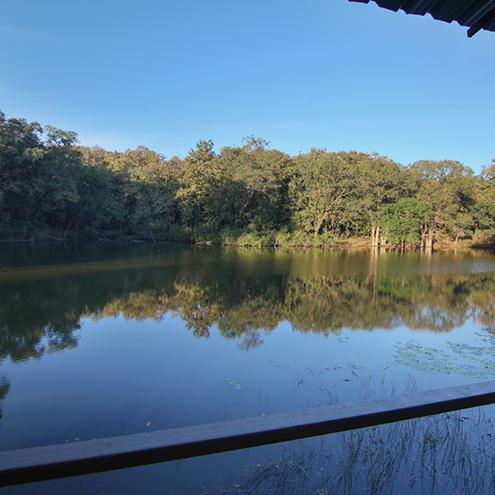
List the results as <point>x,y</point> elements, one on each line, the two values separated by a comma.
<point>247,194</point>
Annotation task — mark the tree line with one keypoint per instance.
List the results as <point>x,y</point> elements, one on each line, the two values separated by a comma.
<point>248,194</point>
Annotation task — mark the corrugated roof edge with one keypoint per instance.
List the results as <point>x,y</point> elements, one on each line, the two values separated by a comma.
<point>474,14</point>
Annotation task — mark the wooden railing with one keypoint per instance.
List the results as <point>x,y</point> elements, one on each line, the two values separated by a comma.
<point>60,461</point>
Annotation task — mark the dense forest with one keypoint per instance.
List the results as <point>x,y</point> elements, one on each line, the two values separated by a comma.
<point>249,195</point>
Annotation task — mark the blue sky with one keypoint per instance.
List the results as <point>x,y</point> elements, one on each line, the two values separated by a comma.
<point>323,73</point>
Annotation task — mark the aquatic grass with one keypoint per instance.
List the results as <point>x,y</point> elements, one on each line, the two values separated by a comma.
<point>450,453</point>
<point>446,453</point>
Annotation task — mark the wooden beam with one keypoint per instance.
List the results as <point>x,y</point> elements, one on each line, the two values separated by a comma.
<point>72,459</point>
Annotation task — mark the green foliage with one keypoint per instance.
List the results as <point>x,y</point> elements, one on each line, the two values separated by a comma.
<point>484,208</point>
<point>37,169</point>
<point>449,189</point>
<point>402,221</point>
<point>249,195</point>
<point>247,238</point>
<point>320,189</point>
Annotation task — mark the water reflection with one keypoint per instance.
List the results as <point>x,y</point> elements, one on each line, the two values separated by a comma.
<point>128,378</point>
<point>245,294</point>
<point>4,388</point>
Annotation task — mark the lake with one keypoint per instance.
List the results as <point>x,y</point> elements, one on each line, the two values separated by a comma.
<point>118,339</point>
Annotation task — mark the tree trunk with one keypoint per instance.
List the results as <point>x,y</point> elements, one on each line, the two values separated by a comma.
<point>26,208</point>
<point>424,229</point>
<point>69,225</point>
<point>238,216</point>
<point>375,235</point>
<point>429,241</point>
<point>427,238</point>
<point>318,225</point>
<point>75,218</point>
<point>36,213</point>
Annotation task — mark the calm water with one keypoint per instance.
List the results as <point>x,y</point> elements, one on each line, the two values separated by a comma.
<point>99,341</point>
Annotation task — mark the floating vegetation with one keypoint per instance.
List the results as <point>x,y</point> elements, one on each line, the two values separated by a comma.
<point>233,382</point>
<point>463,359</point>
<point>354,367</point>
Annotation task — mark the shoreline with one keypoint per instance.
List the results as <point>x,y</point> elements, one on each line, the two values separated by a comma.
<point>351,244</point>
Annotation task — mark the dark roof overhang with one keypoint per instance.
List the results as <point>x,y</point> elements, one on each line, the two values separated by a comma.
<point>474,14</point>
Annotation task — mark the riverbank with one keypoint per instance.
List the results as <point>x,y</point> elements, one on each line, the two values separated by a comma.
<point>256,240</point>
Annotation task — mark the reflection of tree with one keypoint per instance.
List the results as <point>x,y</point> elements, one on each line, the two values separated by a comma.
<point>32,321</point>
<point>4,388</point>
<point>421,302</point>
<point>260,314</point>
<point>317,304</point>
<point>242,301</point>
<point>483,302</point>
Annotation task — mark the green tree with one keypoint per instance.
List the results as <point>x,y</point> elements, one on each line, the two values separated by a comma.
<point>403,221</point>
<point>36,168</point>
<point>198,183</point>
<point>255,185</point>
<point>320,189</point>
<point>147,188</point>
<point>484,210</point>
<point>20,150</point>
<point>93,202</point>
<point>448,188</point>
<point>379,181</point>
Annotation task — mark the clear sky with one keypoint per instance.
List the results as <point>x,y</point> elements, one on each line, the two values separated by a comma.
<point>320,73</point>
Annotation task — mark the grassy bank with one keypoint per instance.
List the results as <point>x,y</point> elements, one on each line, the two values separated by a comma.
<point>282,239</point>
